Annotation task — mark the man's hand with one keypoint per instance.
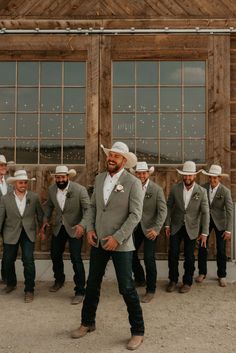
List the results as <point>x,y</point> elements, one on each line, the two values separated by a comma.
<point>110,243</point>
<point>79,231</point>
<point>167,231</point>
<point>151,234</point>
<point>42,230</point>
<point>92,238</point>
<point>203,240</point>
<point>226,236</point>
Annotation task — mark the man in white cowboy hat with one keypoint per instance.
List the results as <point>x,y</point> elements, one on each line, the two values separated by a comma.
<point>187,217</point>
<point>117,203</point>
<point>4,189</point>
<point>221,220</point>
<point>148,229</point>
<point>70,203</point>
<point>19,210</point>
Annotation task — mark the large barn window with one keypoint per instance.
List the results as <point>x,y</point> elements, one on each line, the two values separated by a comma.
<point>159,109</point>
<point>43,112</point>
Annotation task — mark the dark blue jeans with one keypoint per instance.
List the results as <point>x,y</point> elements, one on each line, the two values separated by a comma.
<point>149,247</point>
<point>221,257</point>
<point>57,249</point>
<point>10,254</point>
<point>173,256</point>
<point>123,266</point>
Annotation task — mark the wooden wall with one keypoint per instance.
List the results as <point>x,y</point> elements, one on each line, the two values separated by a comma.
<point>99,51</point>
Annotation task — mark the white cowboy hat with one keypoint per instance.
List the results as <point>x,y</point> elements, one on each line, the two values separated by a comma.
<point>215,170</point>
<point>19,175</point>
<point>189,168</point>
<point>123,149</point>
<point>4,161</point>
<point>142,167</point>
<point>63,170</point>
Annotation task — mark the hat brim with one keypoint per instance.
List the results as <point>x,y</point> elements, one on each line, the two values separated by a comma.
<point>188,173</point>
<point>214,175</point>
<point>71,173</point>
<point>11,180</point>
<point>150,170</point>
<point>131,159</point>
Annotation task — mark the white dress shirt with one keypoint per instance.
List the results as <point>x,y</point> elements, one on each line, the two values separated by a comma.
<point>21,203</point>
<point>109,184</point>
<point>187,194</point>
<point>212,192</point>
<point>61,196</point>
<point>144,187</point>
<point>3,186</point>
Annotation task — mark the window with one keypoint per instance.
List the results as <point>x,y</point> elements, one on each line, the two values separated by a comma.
<point>43,112</point>
<point>159,109</point>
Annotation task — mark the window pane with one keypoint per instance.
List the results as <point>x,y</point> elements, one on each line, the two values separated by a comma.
<point>27,125</point>
<point>194,73</point>
<point>194,125</point>
<point>28,73</point>
<point>51,99</point>
<point>147,99</point>
<point>8,73</point>
<point>74,100</point>
<point>51,73</point>
<point>170,99</point>
<point>75,73</point>
<point>50,152</point>
<point>7,148</point>
<point>123,73</point>
<point>27,99</point>
<point>74,152</point>
<point>170,73</point>
<point>194,150</point>
<point>27,151</point>
<point>7,125</point>
<point>50,125</point>
<point>147,125</point>
<point>123,99</point>
<point>170,125</point>
<point>123,125</point>
<point>74,125</point>
<point>170,152</point>
<point>7,99</point>
<point>147,73</point>
<point>147,151</point>
<point>194,99</point>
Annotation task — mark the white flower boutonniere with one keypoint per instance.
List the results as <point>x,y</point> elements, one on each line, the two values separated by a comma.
<point>119,188</point>
<point>196,196</point>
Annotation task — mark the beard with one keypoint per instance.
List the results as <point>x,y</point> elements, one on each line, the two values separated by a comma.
<point>188,183</point>
<point>62,184</point>
<point>114,167</point>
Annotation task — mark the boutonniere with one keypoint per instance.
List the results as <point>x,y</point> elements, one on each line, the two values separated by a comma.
<point>219,196</point>
<point>119,188</point>
<point>148,195</point>
<point>196,196</point>
<point>69,195</point>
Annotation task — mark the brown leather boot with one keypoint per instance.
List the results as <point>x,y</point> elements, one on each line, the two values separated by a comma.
<point>82,331</point>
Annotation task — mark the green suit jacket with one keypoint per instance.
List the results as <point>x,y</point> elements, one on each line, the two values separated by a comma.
<point>122,212</point>
<point>75,209</point>
<point>154,208</point>
<point>221,208</point>
<point>11,222</point>
<point>196,217</point>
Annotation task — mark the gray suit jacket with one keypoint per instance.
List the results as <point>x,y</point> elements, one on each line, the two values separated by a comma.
<point>196,216</point>
<point>11,222</point>
<point>75,210</point>
<point>122,212</point>
<point>154,208</point>
<point>221,208</point>
<point>9,188</point>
